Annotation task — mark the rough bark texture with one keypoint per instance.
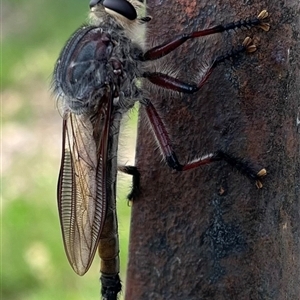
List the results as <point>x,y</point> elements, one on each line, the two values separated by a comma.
<point>210,233</point>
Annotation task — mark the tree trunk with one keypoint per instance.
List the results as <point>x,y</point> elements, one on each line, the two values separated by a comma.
<point>209,233</point>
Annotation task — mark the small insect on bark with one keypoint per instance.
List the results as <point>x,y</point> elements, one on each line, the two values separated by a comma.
<point>95,82</point>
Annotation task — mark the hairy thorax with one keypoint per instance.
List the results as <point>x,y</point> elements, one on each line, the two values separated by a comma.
<point>100,62</point>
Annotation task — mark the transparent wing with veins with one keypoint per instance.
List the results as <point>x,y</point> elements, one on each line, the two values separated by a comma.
<point>81,185</point>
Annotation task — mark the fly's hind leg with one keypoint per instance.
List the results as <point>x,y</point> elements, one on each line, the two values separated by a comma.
<point>164,142</point>
<point>161,134</point>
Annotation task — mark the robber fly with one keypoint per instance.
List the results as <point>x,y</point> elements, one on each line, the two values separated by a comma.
<point>95,81</point>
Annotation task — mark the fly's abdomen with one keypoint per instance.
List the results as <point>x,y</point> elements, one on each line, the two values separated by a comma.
<point>109,239</point>
<point>109,244</point>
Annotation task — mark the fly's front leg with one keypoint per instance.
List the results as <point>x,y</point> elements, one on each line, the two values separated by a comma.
<point>166,48</point>
<point>164,143</point>
<point>171,83</point>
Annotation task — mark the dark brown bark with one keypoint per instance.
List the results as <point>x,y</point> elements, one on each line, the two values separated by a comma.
<point>210,233</point>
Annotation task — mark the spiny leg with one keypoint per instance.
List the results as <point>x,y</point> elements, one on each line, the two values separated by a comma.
<point>171,83</point>
<point>170,156</point>
<point>166,48</point>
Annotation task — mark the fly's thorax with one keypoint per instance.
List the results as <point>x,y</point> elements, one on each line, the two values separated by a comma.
<point>96,63</point>
<point>82,70</point>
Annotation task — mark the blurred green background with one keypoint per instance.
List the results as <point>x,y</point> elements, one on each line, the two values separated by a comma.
<point>33,262</point>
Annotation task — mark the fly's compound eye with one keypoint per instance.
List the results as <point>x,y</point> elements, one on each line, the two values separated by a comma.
<point>121,7</point>
<point>94,3</point>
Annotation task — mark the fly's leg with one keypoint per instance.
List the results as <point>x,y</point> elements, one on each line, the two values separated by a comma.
<point>171,83</point>
<point>166,48</point>
<point>164,142</point>
<point>163,138</point>
<point>135,189</point>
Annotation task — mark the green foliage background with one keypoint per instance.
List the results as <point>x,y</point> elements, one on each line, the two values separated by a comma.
<point>33,262</point>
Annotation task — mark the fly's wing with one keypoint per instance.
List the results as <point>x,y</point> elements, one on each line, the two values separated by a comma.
<point>81,185</point>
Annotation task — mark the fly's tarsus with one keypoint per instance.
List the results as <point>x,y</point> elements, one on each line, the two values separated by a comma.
<point>262,173</point>
<point>247,46</point>
<point>245,167</point>
<point>263,25</point>
<point>135,189</point>
<point>248,23</point>
<point>250,47</point>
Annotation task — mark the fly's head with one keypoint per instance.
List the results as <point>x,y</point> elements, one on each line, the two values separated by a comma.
<point>127,15</point>
<point>120,10</point>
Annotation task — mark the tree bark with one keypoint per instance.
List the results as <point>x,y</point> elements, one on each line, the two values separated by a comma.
<point>209,233</point>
